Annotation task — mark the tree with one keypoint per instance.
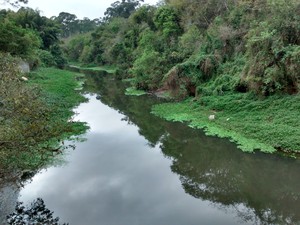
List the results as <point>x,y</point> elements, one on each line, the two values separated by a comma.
<point>144,14</point>
<point>200,12</point>
<point>167,20</point>
<point>68,23</point>
<point>121,9</point>
<point>48,29</point>
<point>17,40</point>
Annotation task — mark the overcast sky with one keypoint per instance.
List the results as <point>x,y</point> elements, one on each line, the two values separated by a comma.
<point>81,8</point>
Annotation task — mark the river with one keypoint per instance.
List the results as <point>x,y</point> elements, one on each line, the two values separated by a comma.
<point>136,169</point>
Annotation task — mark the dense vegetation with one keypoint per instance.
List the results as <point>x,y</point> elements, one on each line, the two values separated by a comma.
<point>34,116</point>
<point>37,39</point>
<point>205,48</point>
<point>36,108</point>
<point>220,52</point>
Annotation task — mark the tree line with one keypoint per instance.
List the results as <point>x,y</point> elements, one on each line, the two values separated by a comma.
<point>199,47</point>
<point>37,39</point>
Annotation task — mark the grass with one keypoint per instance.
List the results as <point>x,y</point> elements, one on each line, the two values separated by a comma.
<point>267,125</point>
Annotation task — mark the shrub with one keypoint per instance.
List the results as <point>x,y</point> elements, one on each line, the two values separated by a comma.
<point>46,58</point>
<point>148,70</point>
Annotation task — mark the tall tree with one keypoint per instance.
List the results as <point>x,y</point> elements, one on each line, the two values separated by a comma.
<point>47,29</point>
<point>121,9</point>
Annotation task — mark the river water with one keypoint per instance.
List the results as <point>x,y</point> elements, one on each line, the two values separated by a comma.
<point>136,169</point>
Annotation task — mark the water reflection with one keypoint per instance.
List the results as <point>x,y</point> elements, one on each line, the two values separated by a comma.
<point>118,176</point>
<point>114,178</point>
<point>8,198</point>
<point>268,186</point>
<point>213,169</point>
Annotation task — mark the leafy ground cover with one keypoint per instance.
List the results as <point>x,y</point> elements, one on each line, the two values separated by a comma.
<point>59,92</point>
<point>37,117</point>
<point>269,125</point>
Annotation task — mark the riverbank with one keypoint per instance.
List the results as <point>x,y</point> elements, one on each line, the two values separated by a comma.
<point>42,119</point>
<point>60,91</point>
<point>269,125</point>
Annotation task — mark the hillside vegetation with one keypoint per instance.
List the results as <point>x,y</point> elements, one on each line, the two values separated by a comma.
<point>206,47</point>
<point>237,59</point>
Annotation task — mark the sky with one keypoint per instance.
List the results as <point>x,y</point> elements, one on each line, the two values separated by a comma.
<point>81,8</point>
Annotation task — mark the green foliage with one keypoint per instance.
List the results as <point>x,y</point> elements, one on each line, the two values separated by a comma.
<point>71,25</point>
<point>190,41</point>
<point>47,59</point>
<point>144,14</point>
<point>214,46</point>
<point>58,56</point>
<point>254,124</point>
<point>85,56</point>
<point>166,19</point>
<point>25,32</point>
<point>17,40</point>
<point>148,70</point>
<point>47,29</point>
<point>121,9</point>
<point>227,79</point>
<point>200,13</point>
<point>75,46</point>
<point>272,65</point>
<point>34,117</point>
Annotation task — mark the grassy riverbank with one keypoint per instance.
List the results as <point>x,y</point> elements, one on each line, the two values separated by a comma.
<point>267,125</point>
<point>42,119</point>
<point>59,92</point>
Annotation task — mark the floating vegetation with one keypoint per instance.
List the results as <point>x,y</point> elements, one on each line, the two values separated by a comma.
<point>267,125</point>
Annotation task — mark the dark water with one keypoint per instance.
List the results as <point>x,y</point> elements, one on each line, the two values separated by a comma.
<point>136,169</point>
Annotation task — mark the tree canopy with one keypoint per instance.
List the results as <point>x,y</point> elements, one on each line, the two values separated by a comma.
<point>201,47</point>
<point>122,8</point>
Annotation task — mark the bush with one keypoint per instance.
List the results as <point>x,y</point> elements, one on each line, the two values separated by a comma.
<point>46,58</point>
<point>272,65</point>
<point>18,41</point>
<point>148,70</point>
<point>273,51</point>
